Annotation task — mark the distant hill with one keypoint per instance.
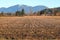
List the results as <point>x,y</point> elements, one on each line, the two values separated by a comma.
<point>51,11</point>
<point>20,7</point>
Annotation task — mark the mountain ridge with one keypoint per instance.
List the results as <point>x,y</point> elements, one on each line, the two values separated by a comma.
<point>27,9</point>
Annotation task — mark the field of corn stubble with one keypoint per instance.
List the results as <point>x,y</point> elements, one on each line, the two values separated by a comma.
<point>30,28</point>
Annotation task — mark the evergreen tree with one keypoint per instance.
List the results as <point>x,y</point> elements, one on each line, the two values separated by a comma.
<point>22,12</point>
<point>18,13</point>
<point>1,14</point>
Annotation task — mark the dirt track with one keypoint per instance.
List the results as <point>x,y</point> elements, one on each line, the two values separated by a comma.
<point>30,27</point>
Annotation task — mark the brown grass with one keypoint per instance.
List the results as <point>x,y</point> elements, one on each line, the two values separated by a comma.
<point>30,28</point>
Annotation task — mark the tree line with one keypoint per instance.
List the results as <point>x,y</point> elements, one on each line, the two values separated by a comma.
<point>46,12</point>
<point>17,13</point>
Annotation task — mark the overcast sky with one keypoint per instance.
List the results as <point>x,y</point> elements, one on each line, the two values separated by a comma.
<point>48,3</point>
